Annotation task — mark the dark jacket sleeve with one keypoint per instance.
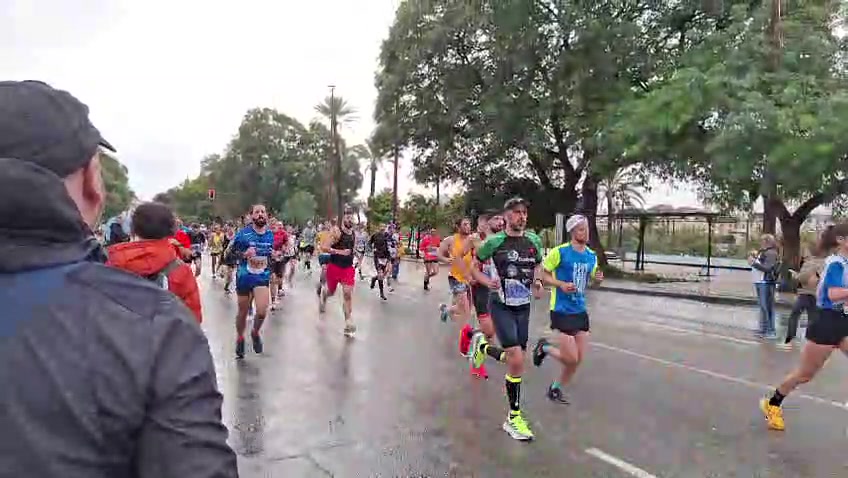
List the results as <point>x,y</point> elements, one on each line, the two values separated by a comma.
<point>183,434</point>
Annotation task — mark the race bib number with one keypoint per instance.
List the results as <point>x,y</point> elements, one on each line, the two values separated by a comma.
<point>382,262</point>
<point>515,293</point>
<point>257,264</point>
<point>432,251</point>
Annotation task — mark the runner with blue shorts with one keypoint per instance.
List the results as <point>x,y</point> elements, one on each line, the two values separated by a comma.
<point>254,244</point>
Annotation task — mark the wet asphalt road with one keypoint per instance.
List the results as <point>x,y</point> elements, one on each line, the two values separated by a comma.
<point>669,389</point>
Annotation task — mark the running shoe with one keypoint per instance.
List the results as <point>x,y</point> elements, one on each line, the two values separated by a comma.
<point>479,372</point>
<point>350,330</point>
<point>443,312</point>
<point>478,357</point>
<point>257,343</point>
<point>240,349</point>
<point>465,334</point>
<point>517,427</point>
<point>773,414</point>
<point>539,353</point>
<point>556,395</point>
<point>383,296</point>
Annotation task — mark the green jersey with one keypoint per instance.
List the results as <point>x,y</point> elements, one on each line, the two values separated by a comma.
<point>514,258</point>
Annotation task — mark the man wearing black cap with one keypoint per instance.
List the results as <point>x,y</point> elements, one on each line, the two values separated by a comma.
<point>515,254</point>
<point>104,374</point>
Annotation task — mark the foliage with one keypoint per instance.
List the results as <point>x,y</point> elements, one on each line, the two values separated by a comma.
<point>345,113</point>
<point>380,209</point>
<point>369,154</point>
<point>622,189</point>
<point>299,207</point>
<point>512,97</point>
<point>757,109</point>
<point>271,160</point>
<point>116,183</point>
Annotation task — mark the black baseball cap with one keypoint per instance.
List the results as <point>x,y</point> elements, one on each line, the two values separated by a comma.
<point>516,201</point>
<point>46,126</point>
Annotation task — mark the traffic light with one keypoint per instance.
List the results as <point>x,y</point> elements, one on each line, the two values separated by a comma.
<point>211,194</point>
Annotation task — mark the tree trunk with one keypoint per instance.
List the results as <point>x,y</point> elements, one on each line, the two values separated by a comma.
<point>791,230</point>
<point>373,180</point>
<point>770,213</point>
<point>589,193</point>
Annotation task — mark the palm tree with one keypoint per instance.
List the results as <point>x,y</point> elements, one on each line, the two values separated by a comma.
<point>338,111</point>
<point>622,189</point>
<point>368,152</point>
<point>345,113</point>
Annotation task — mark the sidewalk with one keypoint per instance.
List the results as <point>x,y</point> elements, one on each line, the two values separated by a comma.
<point>727,287</point>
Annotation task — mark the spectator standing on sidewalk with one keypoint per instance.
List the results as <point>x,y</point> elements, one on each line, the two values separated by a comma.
<point>104,375</point>
<point>764,265</point>
<point>808,279</point>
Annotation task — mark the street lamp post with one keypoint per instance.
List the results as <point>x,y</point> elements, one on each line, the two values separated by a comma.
<point>333,148</point>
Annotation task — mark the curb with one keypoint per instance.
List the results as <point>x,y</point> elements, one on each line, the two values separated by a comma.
<point>709,299</point>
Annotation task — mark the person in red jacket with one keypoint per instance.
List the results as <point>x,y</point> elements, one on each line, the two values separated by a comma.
<point>181,241</point>
<point>152,255</point>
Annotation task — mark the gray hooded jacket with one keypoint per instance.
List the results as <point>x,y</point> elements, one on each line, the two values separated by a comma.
<point>102,374</point>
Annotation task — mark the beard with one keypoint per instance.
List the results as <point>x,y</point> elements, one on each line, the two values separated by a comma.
<point>260,222</point>
<point>347,224</point>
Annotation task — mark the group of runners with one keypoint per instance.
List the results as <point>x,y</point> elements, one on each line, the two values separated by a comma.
<point>494,274</point>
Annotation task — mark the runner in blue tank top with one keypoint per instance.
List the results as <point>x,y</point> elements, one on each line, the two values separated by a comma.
<point>254,244</point>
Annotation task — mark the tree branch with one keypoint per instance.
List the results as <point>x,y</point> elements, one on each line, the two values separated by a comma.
<point>829,194</point>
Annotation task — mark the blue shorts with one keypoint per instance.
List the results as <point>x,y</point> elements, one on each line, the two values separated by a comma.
<point>323,259</point>
<point>246,282</point>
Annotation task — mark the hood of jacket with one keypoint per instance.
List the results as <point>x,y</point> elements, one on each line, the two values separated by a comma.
<point>144,258</point>
<point>40,226</point>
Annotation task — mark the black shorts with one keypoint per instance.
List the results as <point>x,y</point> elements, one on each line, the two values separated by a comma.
<point>310,249</point>
<point>512,324</point>
<point>829,328</point>
<point>431,261</point>
<point>377,263</point>
<point>278,268</point>
<point>482,298</point>
<point>570,324</point>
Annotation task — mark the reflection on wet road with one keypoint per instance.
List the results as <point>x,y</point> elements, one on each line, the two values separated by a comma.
<point>668,390</point>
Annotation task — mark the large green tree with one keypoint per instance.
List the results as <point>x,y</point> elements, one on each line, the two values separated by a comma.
<point>758,109</point>
<point>512,97</point>
<point>271,159</point>
<point>119,195</point>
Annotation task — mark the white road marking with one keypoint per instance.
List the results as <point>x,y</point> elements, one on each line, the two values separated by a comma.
<point>720,376</point>
<point>619,463</point>
<point>698,332</point>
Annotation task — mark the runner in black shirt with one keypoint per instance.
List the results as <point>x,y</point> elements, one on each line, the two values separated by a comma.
<point>379,243</point>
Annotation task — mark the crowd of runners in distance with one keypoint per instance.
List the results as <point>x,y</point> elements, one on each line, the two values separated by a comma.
<point>493,272</point>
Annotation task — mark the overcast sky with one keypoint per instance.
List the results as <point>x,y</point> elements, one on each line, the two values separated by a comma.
<point>169,81</point>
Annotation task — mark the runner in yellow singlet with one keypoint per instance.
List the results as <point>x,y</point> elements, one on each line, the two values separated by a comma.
<point>450,252</point>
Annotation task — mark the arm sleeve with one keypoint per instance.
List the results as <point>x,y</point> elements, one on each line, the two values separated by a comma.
<point>485,251</point>
<point>551,261</point>
<point>182,434</point>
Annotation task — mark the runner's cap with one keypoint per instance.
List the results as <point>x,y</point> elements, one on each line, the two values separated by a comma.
<point>46,126</point>
<point>516,201</point>
<point>574,221</point>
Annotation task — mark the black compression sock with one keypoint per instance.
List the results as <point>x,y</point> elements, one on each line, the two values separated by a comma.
<point>776,399</point>
<point>513,393</point>
<point>380,283</point>
<point>496,353</point>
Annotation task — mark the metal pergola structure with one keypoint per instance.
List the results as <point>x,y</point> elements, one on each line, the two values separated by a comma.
<point>645,217</point>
